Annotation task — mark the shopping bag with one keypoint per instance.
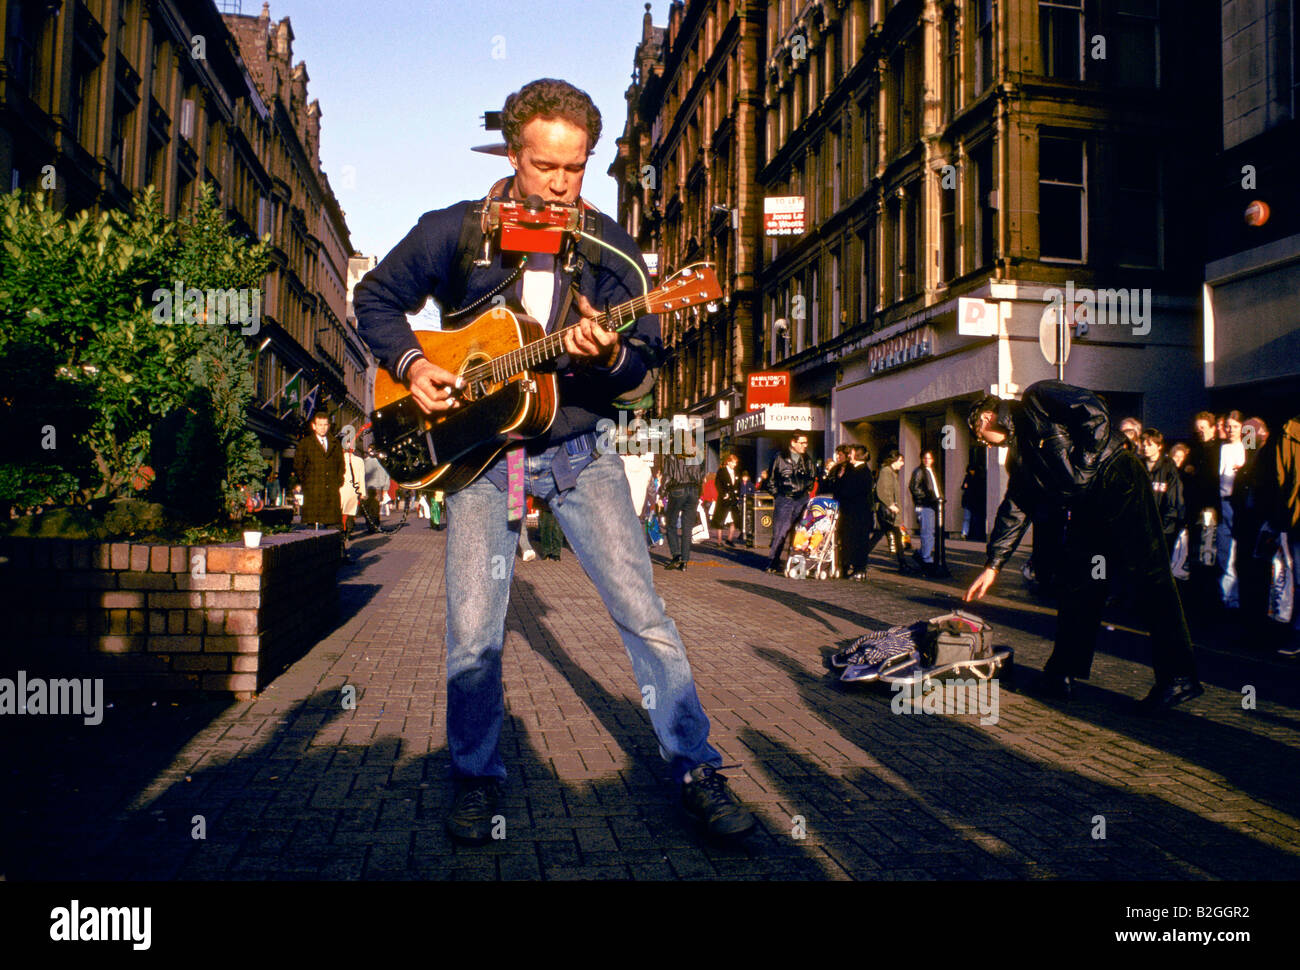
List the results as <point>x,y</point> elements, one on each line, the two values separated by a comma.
<point>1178,561</point>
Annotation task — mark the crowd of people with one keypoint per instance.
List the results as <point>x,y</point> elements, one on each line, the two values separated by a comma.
<point>1226,499</point>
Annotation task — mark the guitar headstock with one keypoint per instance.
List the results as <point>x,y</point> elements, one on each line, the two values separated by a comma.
<point>689,286</point>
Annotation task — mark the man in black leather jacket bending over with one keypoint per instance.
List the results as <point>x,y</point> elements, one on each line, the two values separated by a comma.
<point>1063,447</point>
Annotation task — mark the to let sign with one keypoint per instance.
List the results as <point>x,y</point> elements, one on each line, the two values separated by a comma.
<point>783,215</point>
<point>768,387</point>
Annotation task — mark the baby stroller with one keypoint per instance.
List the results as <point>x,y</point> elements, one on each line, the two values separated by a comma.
<point>954,643</point>
<point>812,550</point>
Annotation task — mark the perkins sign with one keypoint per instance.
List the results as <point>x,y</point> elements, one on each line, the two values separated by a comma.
<point>902,349</point>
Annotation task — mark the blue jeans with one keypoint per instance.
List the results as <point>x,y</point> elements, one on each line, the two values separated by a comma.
<point>601,525</point>
<point>1226,549</point>
<point>925,516</point>
<point>785,513</point>
<point>684,502</point>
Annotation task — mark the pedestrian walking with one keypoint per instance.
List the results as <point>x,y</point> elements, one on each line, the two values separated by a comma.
<point>854,489</point>
<point>683,477</point>
<point>889,510</point>
<point>318,465</point>
<point>726,511</point>
<point>926,496</point>
<point>791,478</point>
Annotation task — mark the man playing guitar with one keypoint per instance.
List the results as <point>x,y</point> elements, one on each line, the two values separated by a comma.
<point>551,129</point>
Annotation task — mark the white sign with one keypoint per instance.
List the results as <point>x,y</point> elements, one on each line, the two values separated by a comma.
<point>651,263</point>
<point>975,318</point>
<point>779,417</point>
<point>1048,335</point>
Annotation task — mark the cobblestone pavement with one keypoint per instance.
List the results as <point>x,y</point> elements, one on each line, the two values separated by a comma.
<point>293,785</point>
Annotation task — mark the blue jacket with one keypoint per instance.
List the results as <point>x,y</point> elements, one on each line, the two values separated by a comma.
<point>420,266</point>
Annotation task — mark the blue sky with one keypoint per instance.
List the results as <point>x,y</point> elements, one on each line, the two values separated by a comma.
<point>403,86</point>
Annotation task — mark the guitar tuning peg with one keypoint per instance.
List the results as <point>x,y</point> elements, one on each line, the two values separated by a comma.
<point>711,306</point>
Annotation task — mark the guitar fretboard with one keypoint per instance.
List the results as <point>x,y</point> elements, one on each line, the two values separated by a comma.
<point>500,369</point>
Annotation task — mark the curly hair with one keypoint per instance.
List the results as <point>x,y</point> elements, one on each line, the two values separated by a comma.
<point>549,98</point>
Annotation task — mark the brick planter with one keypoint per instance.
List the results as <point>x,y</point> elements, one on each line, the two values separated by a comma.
<point>219,619</point>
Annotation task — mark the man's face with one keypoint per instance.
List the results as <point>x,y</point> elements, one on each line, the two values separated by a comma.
<point>1234,429</point>
<point>799,445</point>
<point>551,162</point>
<point>320,426</point>
<point>898,464</point>
<point>1130,431</point>
<point>927,460</point>
<point>987,430</point>
<point>1178,455</point>
<point>1150,450</point>
<point>1204,430</point>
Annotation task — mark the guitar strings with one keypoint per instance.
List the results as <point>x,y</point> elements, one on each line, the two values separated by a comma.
<point>502,368</point>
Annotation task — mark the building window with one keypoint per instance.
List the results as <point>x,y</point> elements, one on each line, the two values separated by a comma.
<point>984,207</point>
<point>1060,26</point>
<point>890,256</point>
<point>947,232</point>
<point>1062,200</point>
<point>951,64</point>
<point>983,44</point>
<point>815,312</point>
<point>867,283</point>
<point>26,24</point>
<point>835,293</point>
<point>1138,215</point>
<point>909,242</point>
<point>1136,60</point>
<point>866,118</point>
<point>814,187</point>
<point>836,150</point>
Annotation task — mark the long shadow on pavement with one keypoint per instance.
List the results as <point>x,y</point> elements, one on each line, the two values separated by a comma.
<point>972,808</point>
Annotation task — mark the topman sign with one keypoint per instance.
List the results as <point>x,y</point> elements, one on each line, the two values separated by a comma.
<point>777,418</point>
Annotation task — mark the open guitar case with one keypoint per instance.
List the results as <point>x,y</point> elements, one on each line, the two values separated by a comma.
<point>952,644</point>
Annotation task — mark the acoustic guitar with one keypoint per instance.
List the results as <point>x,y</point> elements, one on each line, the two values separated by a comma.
<point>505,399</point>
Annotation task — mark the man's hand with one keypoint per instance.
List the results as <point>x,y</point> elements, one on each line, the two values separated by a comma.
<point>895,509</point>
<point>589,340</point>
<point>433,388</point>
<point>983,582</point>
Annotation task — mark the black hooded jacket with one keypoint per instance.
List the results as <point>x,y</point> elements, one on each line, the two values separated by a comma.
<point>1061,438</point>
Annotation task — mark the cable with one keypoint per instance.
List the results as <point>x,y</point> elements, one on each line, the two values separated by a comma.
<point>645,284</point>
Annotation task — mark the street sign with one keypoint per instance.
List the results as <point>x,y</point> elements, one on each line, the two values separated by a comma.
<point>1053,337</point>
<point>976,318</point>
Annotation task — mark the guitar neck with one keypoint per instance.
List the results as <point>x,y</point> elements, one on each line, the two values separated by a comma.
<point>549,347</point>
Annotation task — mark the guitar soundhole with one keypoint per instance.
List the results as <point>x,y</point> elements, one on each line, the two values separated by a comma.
<point>476,390</point>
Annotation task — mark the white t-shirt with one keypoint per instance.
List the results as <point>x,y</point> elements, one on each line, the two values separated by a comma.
<point>539,287</point>
<point>1232,455</point>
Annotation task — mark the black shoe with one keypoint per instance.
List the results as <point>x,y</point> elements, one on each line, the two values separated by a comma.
<point>681,565</point>
<point>776,570</point>
<point>707,798</point>
<point>673,562</point>
<point>470,821</point>
<point>1163,697</point>
<point>1057,687</point>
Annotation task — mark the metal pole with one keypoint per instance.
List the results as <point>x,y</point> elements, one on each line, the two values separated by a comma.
<point>1060,343</point>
